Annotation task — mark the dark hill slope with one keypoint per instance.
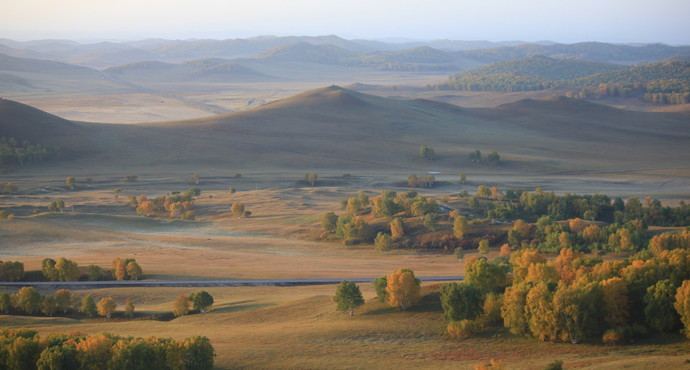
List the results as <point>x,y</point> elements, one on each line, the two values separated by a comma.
<point>335,129</point>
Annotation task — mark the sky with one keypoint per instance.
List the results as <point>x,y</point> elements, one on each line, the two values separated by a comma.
<point>566,21</point>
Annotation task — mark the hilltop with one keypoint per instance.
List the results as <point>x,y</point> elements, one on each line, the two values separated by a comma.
<point>337,128</point>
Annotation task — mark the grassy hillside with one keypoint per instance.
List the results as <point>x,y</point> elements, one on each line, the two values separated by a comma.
<point>336,128</point>
<point>202,70</point>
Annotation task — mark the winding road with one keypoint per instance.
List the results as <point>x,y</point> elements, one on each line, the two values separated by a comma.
<point>199,283</point>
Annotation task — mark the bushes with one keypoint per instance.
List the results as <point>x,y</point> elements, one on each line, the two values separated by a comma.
<point>463,328</point>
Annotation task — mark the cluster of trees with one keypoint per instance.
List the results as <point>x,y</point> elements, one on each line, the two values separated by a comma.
<point>126,269</point>
<point>520,204</point>
<point>425,181</point>
<point>401,289</point>
<point>12,153</point>
<point>29,301</point>
<point>25,349</point>
<point>199,301</point>
<point>476,156</point>
<point>427,152</point>
<point>575,297</point>
<point>11,271</point>
<point>174,205</point>
<point>660,83</point>
<point>238,210</point>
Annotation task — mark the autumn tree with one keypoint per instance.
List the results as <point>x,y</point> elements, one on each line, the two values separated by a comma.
<point>483,246</point>
<point>119,269</point>
<point>64,300</point>
<point>310,178</point>
<point>49,305</point>
<point>93,272</point>
<point>48,269</point>
<point>682,305</point>
<point>201,301</point>
<point>129,308</point>
<point>461,301</point>
<point>348,297</point>
<point>68,270</point>
<point>513,309</point>
<point>580,308</point>
<point>27,299</point>
<point>521,260</point>
<point>397,227</point>
<point>106,307</point>
<point>237,209</point>
<point>198,353</point>
<point>460,227</point>
<point>88,306</point>
<point>56,205</point>
<point>181,305</point>
<point>483,191</point>
<point>616,302</point>
<point>505,250</point>
<point>134,271</point>
<point>402,288</point>
<point>58,357</point>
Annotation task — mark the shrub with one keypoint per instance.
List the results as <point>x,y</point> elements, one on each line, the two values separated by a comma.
<point>463,328</point>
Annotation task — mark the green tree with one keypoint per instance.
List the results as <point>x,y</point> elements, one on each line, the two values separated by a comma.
<point>198,353</point>
<point>431,221</point>
<point>5,302</point>
<point>426,152</point>
<point>68,270</point>
<point>23,353</point>
<point>383,242</point>
<point>660,314</point>
<point>461,301</point>
<point>201,300</point>
<point>397,227</point>
<point>488,277</point>
<point>93,272</point>
<point>475,156</point>
<point>48,269</point>
<point>329,222</point>
<point>380,288</point>
<point>463,178</point>
<point>483,191</point>
<point>49,306</point>
<point>133,270</point>
<point>64,300</point>
<point>494,158</point>
<point>483,247</point>
<point>460,227</point>
<point>88,306</point>
<point>58,357</point>
<point>348,297</point>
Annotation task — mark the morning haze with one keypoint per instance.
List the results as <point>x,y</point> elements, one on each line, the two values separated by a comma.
<point>378,184</point>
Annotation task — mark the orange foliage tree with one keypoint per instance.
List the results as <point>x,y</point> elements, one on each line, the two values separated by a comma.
<point>403,288</point>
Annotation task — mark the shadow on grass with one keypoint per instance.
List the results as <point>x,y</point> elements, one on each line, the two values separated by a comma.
<point>240,306</point>
<point>429,303</point>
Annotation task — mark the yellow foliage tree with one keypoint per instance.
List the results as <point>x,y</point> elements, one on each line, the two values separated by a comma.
<point>106,307</point>
<point>402,288</point>
<point>577,225</point>
<point>682,305</point>
<point>541,315</point>
<point>617,304</point>
<point>505,250</point>
<point>521,261</point>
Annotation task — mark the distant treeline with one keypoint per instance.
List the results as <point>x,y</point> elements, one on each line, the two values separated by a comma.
<point>25,349</point>
<point>12,153</point>
<point>660,83</point>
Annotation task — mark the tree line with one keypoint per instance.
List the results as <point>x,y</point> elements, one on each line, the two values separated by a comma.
<point>68,270</point>
<point>13,153</point>
<point>25,349</point>
<point>174,205</point>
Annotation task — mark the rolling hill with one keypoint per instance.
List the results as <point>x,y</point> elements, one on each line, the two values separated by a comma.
<point>338,129</point>
<point>204,70</point>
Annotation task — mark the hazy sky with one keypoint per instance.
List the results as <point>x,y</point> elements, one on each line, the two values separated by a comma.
<point>566,21</point>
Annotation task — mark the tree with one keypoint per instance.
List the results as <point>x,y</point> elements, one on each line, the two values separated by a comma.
<point>513,309</point>
<point>119,269</point>
<point>311,178</point>
<point>181,305</point>
<point>483,191</point>
<point>237,209</point>
<point>505,250</point>
<point>27,299</point>
<point>22,353</point>
<point>483,246</point>
<point>475,156</point>
<point>198,353</point>
<point>459,253</point>
<point>5,302</point>
<point>88,306</point>
<point>383,242</point>
<point>56,205</point>
<point>402,288</point>
<point>461,301</point>
<point>58,357</point>
<point>682,305</point>
<point>380,284</point>
<point>68,270</point>
<point>397,228</point>
<point>616,302</point>
<point>133,270</point>
<point>71,182</point>
<point>539,310</point>
<point>64,299</point>
<point>106,307</point>
<point>49,306</point>
<point>487,277</point>
<point>93,272</point>
<point>129,308</point>
<point>431,221</point>
<point>348,297</point>
<point>660,314</point>
<point>426,152</point>
<point>463,178</point>
<point>201,300</point>
<point>48,269</point>
<point>460,227</point>
<point>494,158</point>
<point>329,222</point>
